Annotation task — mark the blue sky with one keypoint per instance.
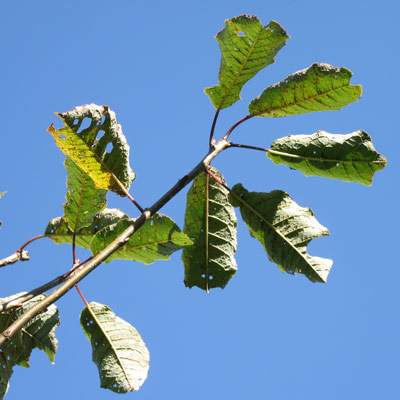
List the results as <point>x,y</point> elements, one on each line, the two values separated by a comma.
<point>267,334</point>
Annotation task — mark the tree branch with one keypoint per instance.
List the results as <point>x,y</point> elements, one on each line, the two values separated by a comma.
<point>120,241</point>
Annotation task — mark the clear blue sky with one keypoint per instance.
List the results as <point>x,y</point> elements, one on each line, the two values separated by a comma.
<point>267,335</point>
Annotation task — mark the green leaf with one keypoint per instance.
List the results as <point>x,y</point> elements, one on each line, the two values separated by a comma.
<point>88,149</point>
<point>156,240</point>
<point>210,221</point>
<point>246,48</point>
<point>284,229</point>
<point>38,333</point>
<point>119,352</point>
<point>321,87</point>
<point>350,158</point>
<point>58,230</point>
<point>83,199</point>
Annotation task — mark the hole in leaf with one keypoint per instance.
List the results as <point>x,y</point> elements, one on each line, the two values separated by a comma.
<point>109,147</point>
<point>103,119</point>
<point>86,122</point>
<point>203,275</point>
<point>337,164</point>
<point>250,42</point>
<point>62,136</point>
<point>314,152</point>
<point>210,277</point>
<point>100,134</point>
<point>241,34</point>
<point>76,122</point>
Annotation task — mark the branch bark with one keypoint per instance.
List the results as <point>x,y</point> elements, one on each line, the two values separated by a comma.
<point>120,241</point>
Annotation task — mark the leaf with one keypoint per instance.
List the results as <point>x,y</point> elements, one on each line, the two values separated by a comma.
<point>210,221</point>
<point>58,230</point>
<point>38,333</point>
<point>119,352</point>
<point>284,229</point>
<point>89,150</point>
<point>83,199</point>
<point>156,240</point>
<point>246,48</point>
<point>350,158</point>
<point>321,87</point>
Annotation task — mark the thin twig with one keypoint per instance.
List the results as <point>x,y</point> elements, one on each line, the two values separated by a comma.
<point>212,140</point>
<point>127,194</point>
<point>120,241</point>
<point>245,146</point>
<point>226,137</point>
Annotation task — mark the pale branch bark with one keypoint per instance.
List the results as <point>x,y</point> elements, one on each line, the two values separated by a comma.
<point>15,257</point>
<point>120,241</point>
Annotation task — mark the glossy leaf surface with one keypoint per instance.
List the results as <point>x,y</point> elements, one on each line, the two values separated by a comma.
<point>156,240</point>
<point>350,158</point>
<point>89,148</point>
<point>284,229</point>
<point>210,221</point>
<point>38,333</point>
<point>118,350</point>
<point>246,48</point>
<point>321,87</point>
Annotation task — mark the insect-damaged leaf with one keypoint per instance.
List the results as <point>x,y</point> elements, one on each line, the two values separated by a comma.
<point>119,352</point>
<point>210,221</point>
<point>284,229</point>
<point>58,230</point>
<point>156,240</point>
<point>89,148</point>
<point>350,158</point>
<point>38,333</point>
<point>321,87</point>
<point>246,48</point>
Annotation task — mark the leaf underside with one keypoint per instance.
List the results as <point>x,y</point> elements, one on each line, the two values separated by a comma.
<point>246,48</point>
<point>89,148</point>
<point>210,221</point>
<point>119,352</point>
<point>38,333</point>
<point>284,229</point>
<point>350,158</point>
<point>156,240</point>
<point>321,87</point>
<point>58,230</point>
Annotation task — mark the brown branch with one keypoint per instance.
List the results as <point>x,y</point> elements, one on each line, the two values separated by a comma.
<point>120,241</point>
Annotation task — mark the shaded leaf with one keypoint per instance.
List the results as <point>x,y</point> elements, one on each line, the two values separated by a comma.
<point>210,221</point>
<point>83,199</point>
<point>89,148</point>
<point>350,158</point>
<point>119,352</point>
<point>321,87</point>
<point>284,229</point>
<point>246,48</point>
<point>156,240</point>
<point>38,333</point>
<point>58,230</point>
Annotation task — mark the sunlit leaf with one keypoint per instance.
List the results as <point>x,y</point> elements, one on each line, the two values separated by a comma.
<point>119,352</point>
<point>38,333</point>
<point>320,87</point>
<point>58,230</point>
<point>246,48</point>
<point>350,158</point>
<point>101,149</point>
<point>83,199</point>
<point>284,229</point>
<point>156,240</point>
<point>210,221</point>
